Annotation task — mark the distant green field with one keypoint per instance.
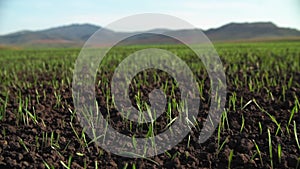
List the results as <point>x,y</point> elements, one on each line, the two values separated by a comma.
<point>273,57</point>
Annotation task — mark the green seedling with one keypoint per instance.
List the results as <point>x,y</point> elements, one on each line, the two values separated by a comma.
<point>241,102</point>
<point>259,153</point>
<point>260,128</point>
<point>134,142</point>
<point>47,165</point>
<point>251,85</point>
<point>294,110</point>
<point>3,108</point>
<point>187,154</point>
<point>284,88</point>
<point>33,116</point>
<point>189,140</point>
<point>225,119</point>
<point>44,139</point>
<point>69,163</point>
<point>58,99</point>
<point>79,154</point>
<point>270,148</point>
<point>37,144</point>
<point>219,135</point>
<point>75,132</point>
<point>23,144</point>
<point>201,92</point>
<point>20,111</point>
<point>37,95</point>
<point>54,141</point>
<point>125,166</point>
<point>230,159</point>
<point>243,123</point>
<point>270,94</point>
<point>84,164</point>
<point>233,100</point>
<point>298,163</point>
<point>261,109</point>
<point>220,148</point>
<point>253,156</point>
<point>83,137</point>
<point>172,157</point>
<point>296,136</point>
<point>279,153</point>
<point>290,82</point>
<point>96,164</point>
<point>278,129</point>
<point>67,146</point>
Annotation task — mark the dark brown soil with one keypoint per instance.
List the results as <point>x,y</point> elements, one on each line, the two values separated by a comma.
<point>55,119</point>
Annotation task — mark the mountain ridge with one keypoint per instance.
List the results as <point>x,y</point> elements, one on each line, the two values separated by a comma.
<point>74,35</point>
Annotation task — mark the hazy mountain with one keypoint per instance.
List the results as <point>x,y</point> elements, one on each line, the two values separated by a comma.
<point>76,34</point>
<point>258,30</point>
<point>71,35</point>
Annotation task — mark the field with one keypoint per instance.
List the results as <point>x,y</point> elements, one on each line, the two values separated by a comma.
<point>259,127</point>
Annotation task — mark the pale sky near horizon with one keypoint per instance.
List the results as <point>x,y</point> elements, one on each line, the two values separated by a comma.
<point>16,15</point>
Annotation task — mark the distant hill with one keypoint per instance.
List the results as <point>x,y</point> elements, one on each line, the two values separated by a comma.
<point>258,30</point>
<point>76,34</point>
<point>71,35</point>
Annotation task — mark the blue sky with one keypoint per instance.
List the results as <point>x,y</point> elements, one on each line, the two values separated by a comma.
<point>18,15</point>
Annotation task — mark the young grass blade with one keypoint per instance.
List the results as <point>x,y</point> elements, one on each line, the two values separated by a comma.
<point>292,114</point>
<point>23,144</point>
<point>243,123</point>
<point>279,153</point>
<point>296,136</point>
<point>230,159</point>
<point>260,128</point>
<point>270,148</point>
<point>259,153</point>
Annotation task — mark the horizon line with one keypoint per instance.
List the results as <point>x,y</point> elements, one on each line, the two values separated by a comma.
<point>172,29</point>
